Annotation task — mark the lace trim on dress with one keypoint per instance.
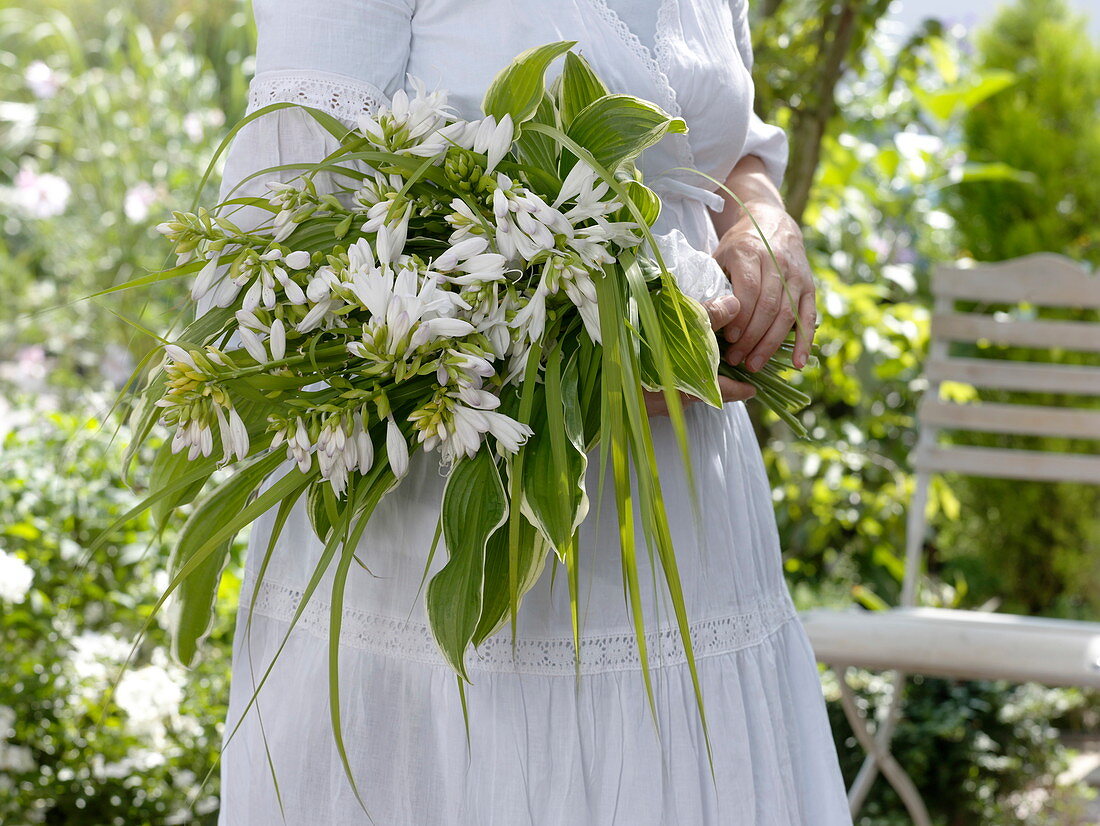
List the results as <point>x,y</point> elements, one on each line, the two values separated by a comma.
<point>339,95</point>
<point>406,640</point>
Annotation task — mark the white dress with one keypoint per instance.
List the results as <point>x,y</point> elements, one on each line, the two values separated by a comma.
<point>543,750</point>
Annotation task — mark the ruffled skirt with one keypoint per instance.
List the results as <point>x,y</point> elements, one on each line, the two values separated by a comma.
<point>544,748</point>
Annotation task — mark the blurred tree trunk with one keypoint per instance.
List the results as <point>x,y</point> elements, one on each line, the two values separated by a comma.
<point>838,33</point>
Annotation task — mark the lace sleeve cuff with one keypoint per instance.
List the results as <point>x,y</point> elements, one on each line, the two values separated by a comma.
<point>339,95</point>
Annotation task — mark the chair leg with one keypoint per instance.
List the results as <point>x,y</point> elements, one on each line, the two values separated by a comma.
<point>876,742</point>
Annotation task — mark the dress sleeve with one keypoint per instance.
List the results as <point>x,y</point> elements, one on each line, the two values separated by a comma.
<point>344,57</point>
<point>765,140</point>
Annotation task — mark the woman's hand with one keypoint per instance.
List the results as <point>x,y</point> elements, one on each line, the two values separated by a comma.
<point>772,301</point>
<point>722,311</point>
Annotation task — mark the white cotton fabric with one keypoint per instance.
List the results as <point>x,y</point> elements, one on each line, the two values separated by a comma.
<point>544,749</point>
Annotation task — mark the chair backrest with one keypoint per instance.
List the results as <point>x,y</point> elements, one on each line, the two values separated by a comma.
<point>1043,280</point>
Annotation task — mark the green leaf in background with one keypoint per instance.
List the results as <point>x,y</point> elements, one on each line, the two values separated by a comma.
<point>195,598</point>
<point>964,95</point>
<point>580,86</point>
<point>618,128</point>
<point>518,89</point>
<point>473,507</point>
<point>554,497</point>
<point>691,345</point>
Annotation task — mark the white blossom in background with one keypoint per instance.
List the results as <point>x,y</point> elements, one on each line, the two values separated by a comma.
<point>16,759</point>
<point>16,577</point>
<point>40,195</point>
<point>43,81</point>
<point>139,200</point>
<point>150,696</point>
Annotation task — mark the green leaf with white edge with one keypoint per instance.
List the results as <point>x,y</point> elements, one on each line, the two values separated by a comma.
<point>532,555</point>
<point>554,495</point>
<point>538,150</point>
<point>689,342</point>
<point>474,505</point>
<point>194,603</point>
<point>645,199</point>
<point>518,88</point>
<point>579,87</point>
<point>618,128</point>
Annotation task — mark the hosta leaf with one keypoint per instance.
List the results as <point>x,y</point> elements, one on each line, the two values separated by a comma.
<point>690,343</point>
<point>473,507</point>
<point>645,199</point>
<point>195,597</point>
<point>518,89</point>
<point>618,128</point>
<point>532,553</point>
<point>554,496</point>
<point>538,150</point>
<point>579,87</point>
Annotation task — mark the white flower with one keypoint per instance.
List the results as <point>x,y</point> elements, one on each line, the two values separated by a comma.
<point>233,432</point>
<point>253,345</point>
<point>16,577</point>
<point>41,80</point>
<point>397,450</point>
<point>204,281</point>
<point>277,340</point>
<point>299,447</point>
<point>461,251</point>
<point>297,260</point>
<point>139,198</point>
<point>16,759</point>
<point>41,196</point>
<point>494,139</point>
<point>149,696</point>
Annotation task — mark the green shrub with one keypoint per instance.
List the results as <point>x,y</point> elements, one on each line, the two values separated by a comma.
<point>67,624</point>
<point>979,752</point>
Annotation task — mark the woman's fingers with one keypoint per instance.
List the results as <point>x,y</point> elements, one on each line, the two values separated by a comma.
<point>804,335</point>
<point>743,271</point>
<point>735,391</point>
<point>722,311</point>
<point>655,404</point>
<point>731,391</point>
<point>768,307</point>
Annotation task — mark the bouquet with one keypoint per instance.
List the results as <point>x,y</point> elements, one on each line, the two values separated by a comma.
<point>487,290</point>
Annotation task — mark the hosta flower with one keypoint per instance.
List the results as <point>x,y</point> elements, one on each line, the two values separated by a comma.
<point>409,125</point>
<point>397,450</point>
<point>456,423</point>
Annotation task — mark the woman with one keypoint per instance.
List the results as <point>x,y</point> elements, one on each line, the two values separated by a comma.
<point>544,749</point>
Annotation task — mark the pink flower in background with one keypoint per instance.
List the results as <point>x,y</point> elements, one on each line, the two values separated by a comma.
<point>41,195</point>
<point>139,198</point>
<point>41,80</point>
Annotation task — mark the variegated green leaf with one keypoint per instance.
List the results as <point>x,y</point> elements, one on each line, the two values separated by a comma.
<point>474,506</point>
<point>554,496</point>
<point>579,87</point>
<point>689,342</point>
<point>518,89</point>
<point>618,128</point>
<point>195,597</point>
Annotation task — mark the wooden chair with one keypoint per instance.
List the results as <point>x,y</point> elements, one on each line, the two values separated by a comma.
<point>977,644</point>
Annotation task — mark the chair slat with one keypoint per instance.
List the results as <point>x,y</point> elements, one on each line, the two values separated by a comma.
<point>971,327</point>
<point>964,645</point>
<point>1021,419</point>
<point>1045,280</point>
<point>1009,464</point>
<point>1017,375</point>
